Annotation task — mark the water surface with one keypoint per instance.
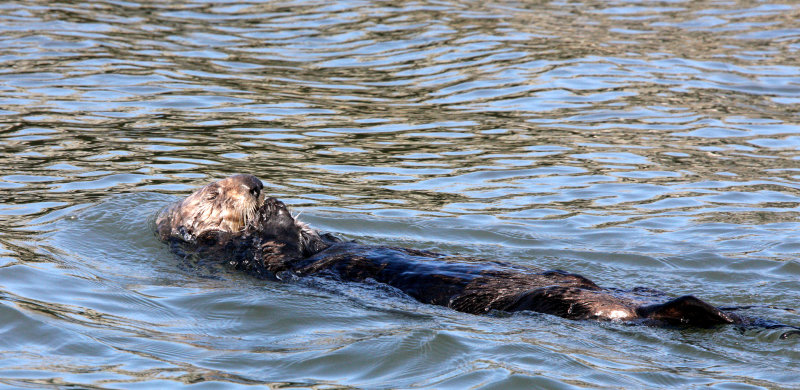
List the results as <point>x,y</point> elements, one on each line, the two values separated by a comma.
<point>640,143</point>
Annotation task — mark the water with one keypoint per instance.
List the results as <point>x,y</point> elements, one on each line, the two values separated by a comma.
<point>635,142</point>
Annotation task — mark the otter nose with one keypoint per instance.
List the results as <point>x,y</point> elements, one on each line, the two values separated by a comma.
<point>249,182</point>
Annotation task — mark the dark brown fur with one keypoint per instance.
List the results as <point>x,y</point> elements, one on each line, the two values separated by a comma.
<point>273,243</point>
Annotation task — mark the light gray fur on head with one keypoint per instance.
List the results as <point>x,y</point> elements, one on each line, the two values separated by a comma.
<point>227,205</point>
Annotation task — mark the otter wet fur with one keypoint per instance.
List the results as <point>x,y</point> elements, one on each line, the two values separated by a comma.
<point>234,221</point>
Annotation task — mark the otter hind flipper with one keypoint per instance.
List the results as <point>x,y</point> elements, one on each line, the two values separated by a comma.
<point>688,310</point>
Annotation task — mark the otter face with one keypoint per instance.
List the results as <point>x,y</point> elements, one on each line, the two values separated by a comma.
<point>225,206</point>
<point>233,214</point>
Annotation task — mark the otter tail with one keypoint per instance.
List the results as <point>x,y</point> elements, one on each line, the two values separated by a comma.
<point>688,310</point>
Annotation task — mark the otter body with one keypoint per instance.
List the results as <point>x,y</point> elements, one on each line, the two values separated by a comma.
<point>271,243</point>
<point>475,286</point>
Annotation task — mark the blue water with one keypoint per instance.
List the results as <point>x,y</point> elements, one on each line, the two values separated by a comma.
<point>637,143</point>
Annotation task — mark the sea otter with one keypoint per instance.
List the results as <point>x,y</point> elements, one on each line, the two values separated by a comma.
<point>234,221</point>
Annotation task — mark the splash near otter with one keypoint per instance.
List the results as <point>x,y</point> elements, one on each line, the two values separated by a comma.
<point>233,220</point>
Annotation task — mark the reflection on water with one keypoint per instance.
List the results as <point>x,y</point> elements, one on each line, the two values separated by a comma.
<point>641,143</point>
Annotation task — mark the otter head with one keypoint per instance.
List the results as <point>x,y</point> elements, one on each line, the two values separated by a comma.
<point>233,213</point>
<point>227,206</point>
